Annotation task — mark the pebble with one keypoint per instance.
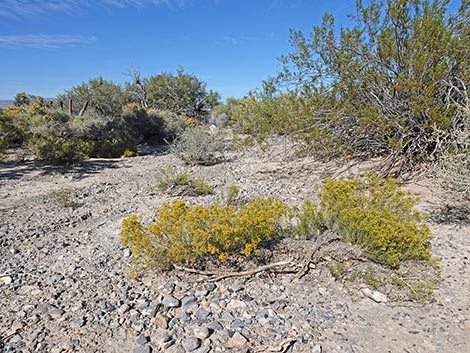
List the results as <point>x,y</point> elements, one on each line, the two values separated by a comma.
<point>374,295</point>
<point>200,332</point>
<point>7,280</point>
<point>190,344</point>
<point>170,301</point>
<point>237,340</point>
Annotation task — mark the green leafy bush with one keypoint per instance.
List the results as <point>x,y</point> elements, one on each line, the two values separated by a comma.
<point>59,150</point>
<point>374,213</point>
<point>180,183</point>
<point>388,84</point>
<point>197,146</point>
<point>185,234</point>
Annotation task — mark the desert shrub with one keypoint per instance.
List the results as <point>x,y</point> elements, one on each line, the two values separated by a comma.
<point>60,150</point>
<point>62,197</point>
<point>113,148</point>
<point>197,146</point>
<point>180,93</point>
<point>374,213</point>
<point>142,125</point>
<point>103,96</point>
<point>455,166</point>
<point>232,195</point>
<point>168,180</point>
<point>389,84</point>
<point>128,153</point>
<point>185,234</point>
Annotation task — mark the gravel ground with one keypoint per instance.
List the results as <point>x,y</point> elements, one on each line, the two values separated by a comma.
<point>65,287</point>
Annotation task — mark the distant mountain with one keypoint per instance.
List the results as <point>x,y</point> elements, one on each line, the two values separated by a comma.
<point>5,103</point>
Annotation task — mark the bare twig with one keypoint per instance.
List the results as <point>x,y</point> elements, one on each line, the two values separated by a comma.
<point>217,276</point>
<point>309,261</point>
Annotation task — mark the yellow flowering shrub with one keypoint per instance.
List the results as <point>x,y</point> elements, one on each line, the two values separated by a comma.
<point>187,234</point>
<point>374,213</point>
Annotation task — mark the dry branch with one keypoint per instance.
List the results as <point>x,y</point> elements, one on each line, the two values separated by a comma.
<point>217,276</point>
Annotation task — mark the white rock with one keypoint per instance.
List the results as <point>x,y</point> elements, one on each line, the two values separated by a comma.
<point>374,295</point>
<point>7,280</point>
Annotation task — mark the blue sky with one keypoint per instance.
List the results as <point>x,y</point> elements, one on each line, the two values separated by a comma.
<point>47,46</point>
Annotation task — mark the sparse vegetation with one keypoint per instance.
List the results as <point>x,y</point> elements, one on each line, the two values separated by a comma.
<point>181,184</point>
<point>197,146</point>
<point>62,197</point>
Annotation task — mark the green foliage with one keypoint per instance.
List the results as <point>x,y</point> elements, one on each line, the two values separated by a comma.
<point>21,99</point>
<point>105,97</point>
<point>374,213</point>
<point>180,183</point>
<point>185,234</point>
<point>232,196</point>
<point>141,124</point>
<point>180,93</point>
<point>389,84</point>
<point>197,146</point>
<point>59,150</point>
<point>337,269</point>
<point>62,197</point>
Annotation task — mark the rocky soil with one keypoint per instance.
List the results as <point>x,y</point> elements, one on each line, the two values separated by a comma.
<point>65,287</point>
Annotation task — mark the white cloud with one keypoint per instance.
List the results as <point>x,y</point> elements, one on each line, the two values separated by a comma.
<point>28,8</point>
<point>43,41</point>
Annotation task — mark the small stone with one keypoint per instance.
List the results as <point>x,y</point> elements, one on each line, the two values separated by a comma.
<point>18,325</point>
<point>168,344</point>
<point>161,339</point>
<point>227,317</point>
<point>171,302</point>
<point>188,300</point>
<point>190,344</point>
<point>216,326</point>
<point>374,295</point>
<point>210,286</point>
<point>202,315</point>
<point>123,309</point>
<point>18,339</point>
<point>237,340</point>
<point>238,324</point>
<point>201,293</point>
<point>162,321</point>
<point>151,311</point>
<point>142,340</point>
<point>127,252</point>
<point>236,304</point>
<point>200,332</point>
<point>466,324</point>
<point>142,349</point>
<point>7,280</point>
<point>56,313</point>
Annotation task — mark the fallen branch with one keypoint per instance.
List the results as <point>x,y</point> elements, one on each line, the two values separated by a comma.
<point>309,261</point>
<point>217,276</point>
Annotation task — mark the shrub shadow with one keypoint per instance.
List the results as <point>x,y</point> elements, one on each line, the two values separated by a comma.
<point>18,170</point>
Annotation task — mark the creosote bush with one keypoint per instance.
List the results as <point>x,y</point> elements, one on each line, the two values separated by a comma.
<point>188,234</point>
<point>180,183</point>
<point>197,146</point>
<point>374,213</point>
